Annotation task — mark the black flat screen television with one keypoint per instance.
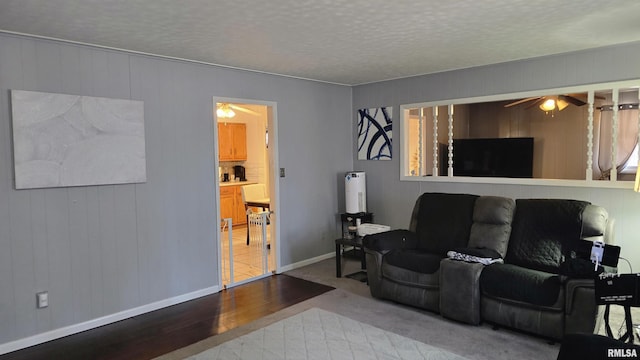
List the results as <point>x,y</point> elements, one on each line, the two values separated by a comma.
<point>499,157</point>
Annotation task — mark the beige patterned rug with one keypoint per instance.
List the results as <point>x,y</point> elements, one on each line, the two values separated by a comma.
<point>352,299</point>
<point>320,334</point>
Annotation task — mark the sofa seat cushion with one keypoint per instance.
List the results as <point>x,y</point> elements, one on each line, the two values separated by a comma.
<point>414,260</point>
<point>512,282</point>
<point>412,267</point>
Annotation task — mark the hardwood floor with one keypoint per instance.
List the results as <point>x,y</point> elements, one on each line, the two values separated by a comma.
<point>162,331</point>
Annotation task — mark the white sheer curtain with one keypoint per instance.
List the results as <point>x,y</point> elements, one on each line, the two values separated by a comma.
<point>626,143</point>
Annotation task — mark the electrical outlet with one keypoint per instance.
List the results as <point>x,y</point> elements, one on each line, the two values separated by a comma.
<point>42,299</point>
<point>281,172</point>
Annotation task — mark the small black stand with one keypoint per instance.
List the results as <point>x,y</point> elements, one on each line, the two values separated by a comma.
<point>628,336</point>
<point>357,252</point>
<point>353,240</point>
<point>618,289</point>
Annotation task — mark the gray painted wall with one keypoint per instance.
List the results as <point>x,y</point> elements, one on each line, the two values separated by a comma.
<point>391,200</point>
<point>99,250</point>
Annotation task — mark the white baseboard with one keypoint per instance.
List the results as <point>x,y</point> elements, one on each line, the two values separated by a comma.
<point>306,262</point>
<point>108,319</point>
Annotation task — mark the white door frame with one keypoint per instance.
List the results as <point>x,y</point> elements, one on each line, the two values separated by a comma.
<point>274,183</point>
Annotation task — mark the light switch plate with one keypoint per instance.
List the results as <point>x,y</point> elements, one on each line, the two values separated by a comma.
<point>42,299</point>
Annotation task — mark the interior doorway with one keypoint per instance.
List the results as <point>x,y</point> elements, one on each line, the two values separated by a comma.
<point>246,189</point>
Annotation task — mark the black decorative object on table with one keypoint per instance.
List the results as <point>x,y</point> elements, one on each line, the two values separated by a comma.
<point>349,220</point>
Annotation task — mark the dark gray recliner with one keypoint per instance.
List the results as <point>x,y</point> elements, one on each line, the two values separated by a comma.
<point>403,265</point>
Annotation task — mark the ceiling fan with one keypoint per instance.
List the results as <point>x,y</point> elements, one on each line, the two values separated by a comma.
<point>552,102</point>
<point>226,110</point>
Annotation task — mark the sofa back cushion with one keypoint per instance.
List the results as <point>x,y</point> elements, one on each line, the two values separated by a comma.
<point>492,217</point>
<point>443,221</point>
<point>541,229</point>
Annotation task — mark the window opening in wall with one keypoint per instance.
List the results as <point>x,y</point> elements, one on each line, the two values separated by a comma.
<point>587,130</point>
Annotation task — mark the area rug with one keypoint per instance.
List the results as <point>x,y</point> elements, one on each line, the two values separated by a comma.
<point>320,334</point>
<point>352,299</point>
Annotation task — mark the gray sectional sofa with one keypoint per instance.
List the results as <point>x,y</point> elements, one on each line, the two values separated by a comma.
<point>525,289</point>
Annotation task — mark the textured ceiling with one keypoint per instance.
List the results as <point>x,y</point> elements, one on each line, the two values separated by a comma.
<point>339,41</point>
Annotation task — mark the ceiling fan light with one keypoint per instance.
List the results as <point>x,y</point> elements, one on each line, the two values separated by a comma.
<point>561,104</point>
<point>548,105</point>
<point>224,111</point>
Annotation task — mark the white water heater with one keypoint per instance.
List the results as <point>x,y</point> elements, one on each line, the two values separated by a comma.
<point>355,190</point>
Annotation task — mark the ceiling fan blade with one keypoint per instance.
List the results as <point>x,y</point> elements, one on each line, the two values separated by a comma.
<point>572,99</point>
<point>243,109</point>
<point>584,98</point>
<point>536,103</point>
<point>521,101</point>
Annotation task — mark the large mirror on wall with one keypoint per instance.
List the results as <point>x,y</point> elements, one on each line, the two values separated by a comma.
<point>573,135</point>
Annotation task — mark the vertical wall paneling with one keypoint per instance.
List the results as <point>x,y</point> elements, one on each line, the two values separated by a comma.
<point>59,254</point>
<point>71,72</point>
<point>20,217</point>
<point>170,177</point>
<point>72,75</point>
<point>102,250</point>
<point>108,249</point>
<point>145,86</point>
<point>41,264</point>
<point>51,238</point>
<point>119,86</point>
<point>23,260</point>
<point>206,220</point>
<point>79,239</point>
<point>95,253</point>
<point>126,247</point>
<point>10,76</point>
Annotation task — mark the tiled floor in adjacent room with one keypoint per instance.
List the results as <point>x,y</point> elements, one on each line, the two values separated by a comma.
<point>247,259</point>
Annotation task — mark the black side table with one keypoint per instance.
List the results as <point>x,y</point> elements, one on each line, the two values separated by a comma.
<point>357,252</point>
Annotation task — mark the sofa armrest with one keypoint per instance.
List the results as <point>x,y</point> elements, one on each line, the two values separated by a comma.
<point>581,311</point>
<point>390,240</point>
<point>571,286</point>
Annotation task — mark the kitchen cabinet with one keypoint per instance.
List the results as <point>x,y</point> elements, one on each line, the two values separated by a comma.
<point>232,142</point>
<point>231,204</point>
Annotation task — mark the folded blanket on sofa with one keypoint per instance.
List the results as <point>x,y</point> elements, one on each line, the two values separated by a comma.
<point>478,255</point>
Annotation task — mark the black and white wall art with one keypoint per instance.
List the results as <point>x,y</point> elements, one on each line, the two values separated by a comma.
<point>374,133</point>
<point>68,140</point>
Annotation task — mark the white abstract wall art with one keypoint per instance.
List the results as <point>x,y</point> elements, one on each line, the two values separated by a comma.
<point>374,133</point>
<point>65,140</point>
